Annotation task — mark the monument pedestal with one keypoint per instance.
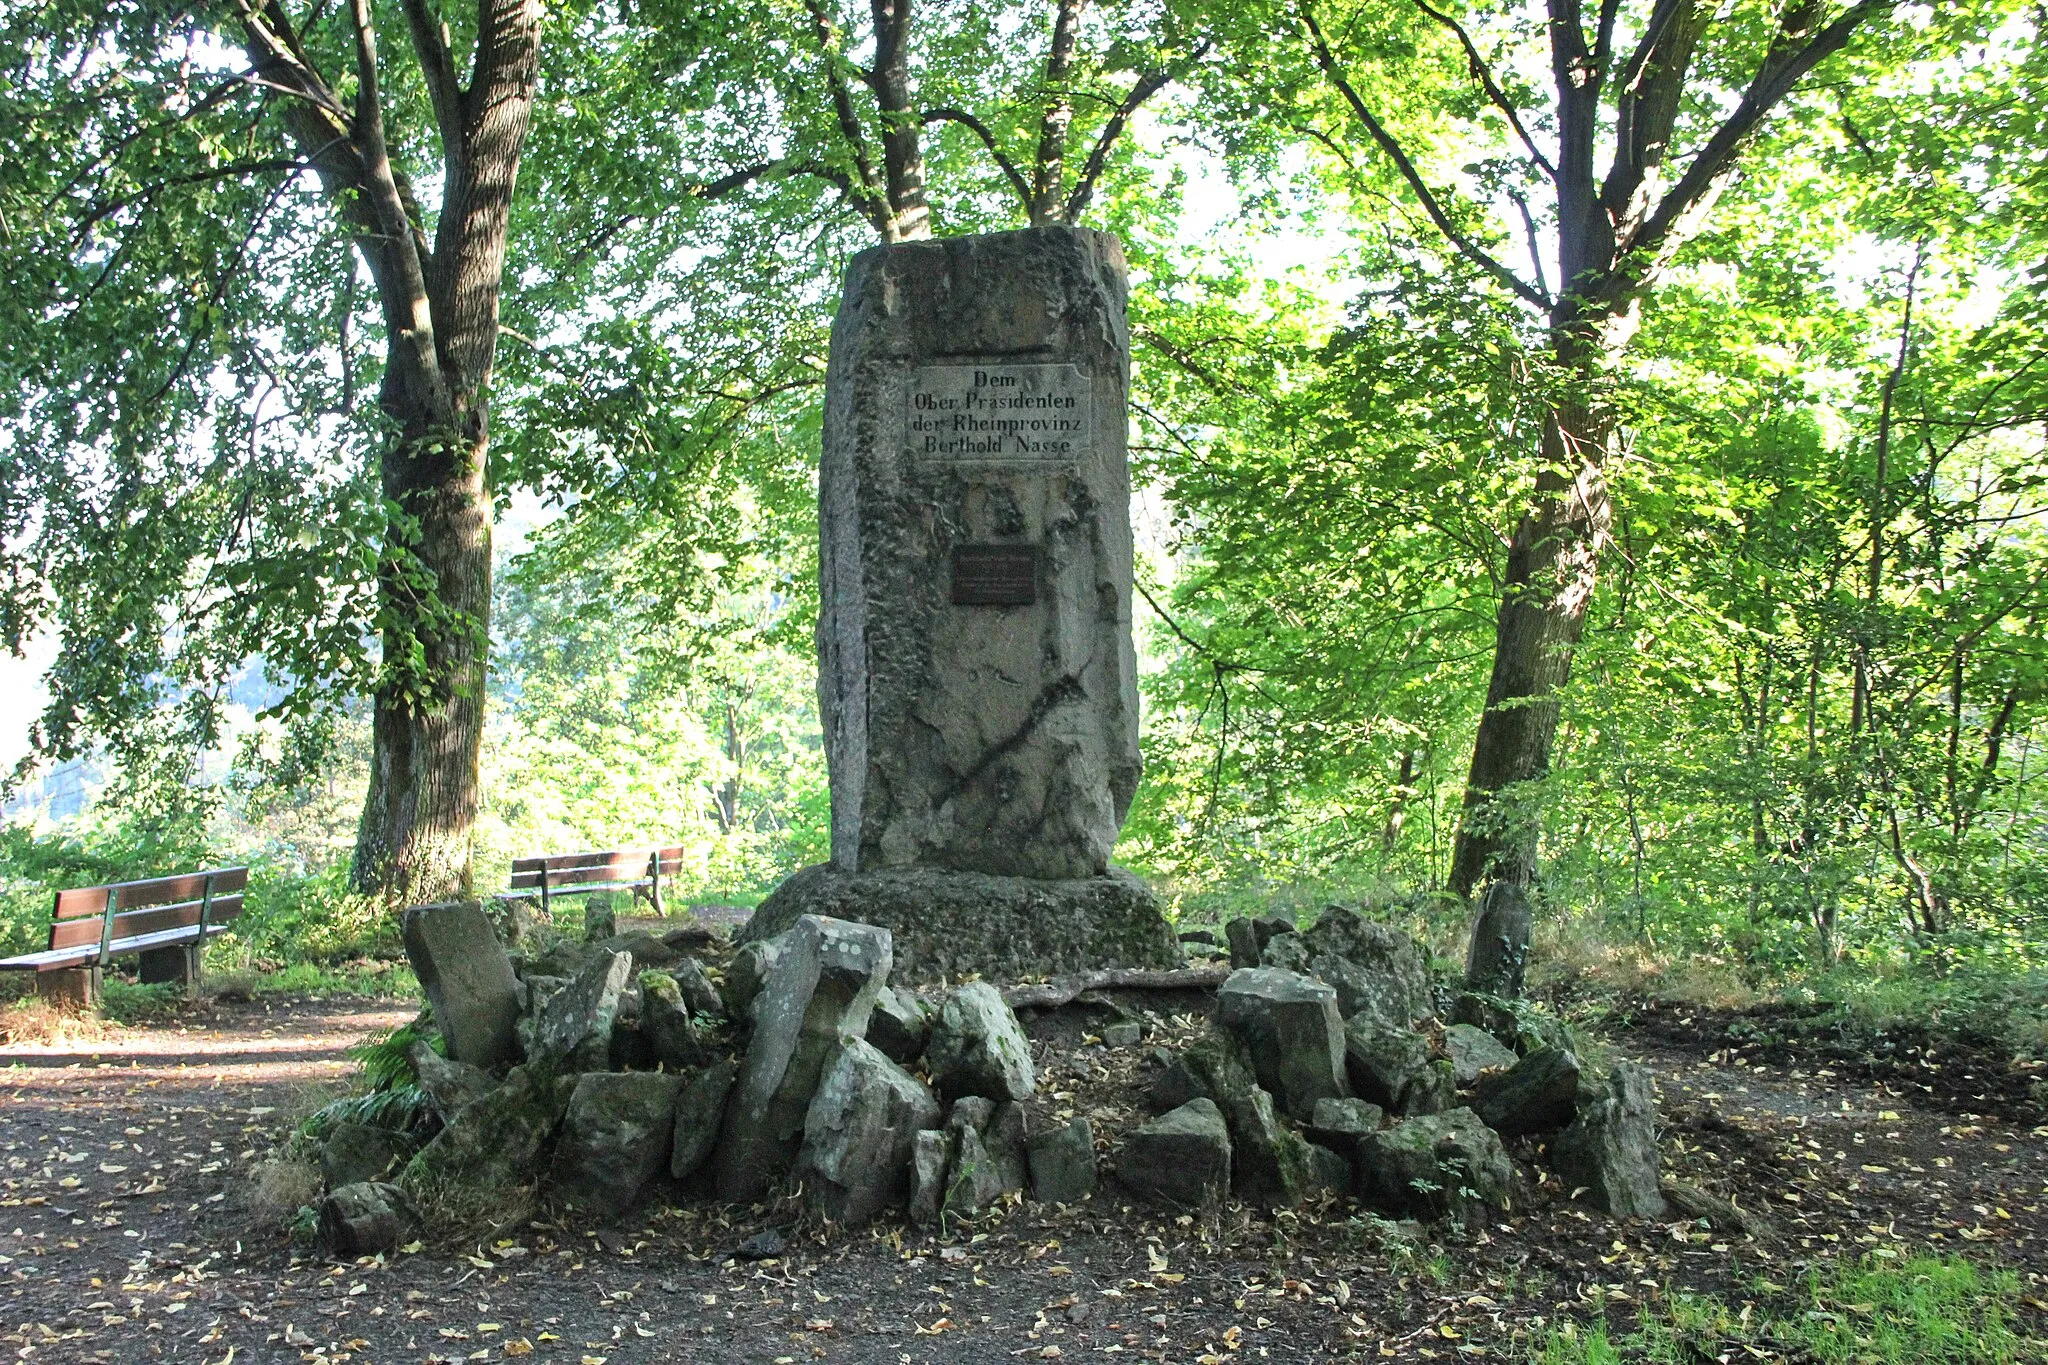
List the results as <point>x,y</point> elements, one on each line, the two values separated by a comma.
<point>945,924</point>
<point>976,676</point>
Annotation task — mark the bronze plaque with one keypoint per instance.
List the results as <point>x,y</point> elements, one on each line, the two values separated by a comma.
<point>995,575</point>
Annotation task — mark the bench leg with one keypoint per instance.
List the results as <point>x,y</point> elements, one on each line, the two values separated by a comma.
<point>177,963</point>
<point>76,988</point>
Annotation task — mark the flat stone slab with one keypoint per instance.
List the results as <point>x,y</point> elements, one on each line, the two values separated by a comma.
<point>468,979</point>
<point>946,924</point>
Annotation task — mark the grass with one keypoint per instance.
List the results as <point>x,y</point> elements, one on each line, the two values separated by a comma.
<point>1932,1310</point>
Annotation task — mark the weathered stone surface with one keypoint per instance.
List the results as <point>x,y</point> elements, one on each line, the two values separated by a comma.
<point>816,997</point>
<point>931,1152</point>
<point>447,1085</point>
<point>1269,1163</point>
<point>700,1109</point>
<point>617,1135</point>
<point>1123,1033</point>
<point>1180,1159</point>
<point>559,957</point>
<point>858,1135</point>
<point>1372,967</point>
<point>1611,1147</point>
<point>1213,1067</point>
<point>1391,1067</point>
<point>1474,1052</point>
<point>1063,1164</point>
<point>1514,1023</point>
<point>468,980</point>
<point>745,972</point>
<point>1539,1094</point>
<point>1342,1126</point>
<point>699,994</point>
<point>600,917</point>
<point>949,923</point>
<point>1289,1025</point>
<point>353,1153</point>
<point>975,396</point>
<point>648,952</point>
<point>1329,1172</point>
<point>1439,1165</point>
<point>666,1024</point>
<point>974,1181</point>
<point>1248,937</point>
<point>899,1025</point>
<point>1498,954</point>
<point>574,1028</point>
<point>977,1047</point>
<point>364,1219</point>
<point>497,1138</point>
<point>1008,1138</point>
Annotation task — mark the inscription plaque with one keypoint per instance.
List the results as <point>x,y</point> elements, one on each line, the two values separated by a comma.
<point>999,414</point>
<point>995,575</point>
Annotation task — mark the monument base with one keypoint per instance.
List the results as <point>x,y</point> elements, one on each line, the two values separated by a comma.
<point>947,924</point>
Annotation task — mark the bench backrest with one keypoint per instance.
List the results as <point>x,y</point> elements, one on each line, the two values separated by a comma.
<point>583,869</point>
<point>146,907</point>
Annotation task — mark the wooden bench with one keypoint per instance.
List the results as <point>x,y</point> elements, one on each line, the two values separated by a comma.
<point>578,874</point>
<point>164,921</point>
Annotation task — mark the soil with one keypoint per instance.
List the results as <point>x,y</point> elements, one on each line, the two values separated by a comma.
<point>128,1232</point>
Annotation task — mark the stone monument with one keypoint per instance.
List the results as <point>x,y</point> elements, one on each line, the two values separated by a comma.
<point>976,674</point>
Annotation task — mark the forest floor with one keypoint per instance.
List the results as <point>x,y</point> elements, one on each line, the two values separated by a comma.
<point>127,1232</point>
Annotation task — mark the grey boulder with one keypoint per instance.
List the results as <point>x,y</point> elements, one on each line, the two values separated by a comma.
<point>1372,967</point>
<point>899,1026</point>
<point>1474,1052</point>
<point>574,1029</point>
<point>818,995</point>
<point>1063,1164</point>
<point>665,1022</point>
<point>745,972</point>
<point>353,1153</point>
<point>699,994</point>
<point>931,1153</point>
<point>1447,1165</point>
<point>1392,1067</point>
<point>1248,937</point>
<point>858,1135</point>
<point>1289,1026</point>
<point>447,1085</point>
<point>1181,1159</point>
<point>468,980</point>
<point>616,1136</point>
<point>1269,1163</point>
<point>700,1108</point>
<point>365,1219</point>
<point>1539,1094</point>
<point>497,1138</point>
<point>1610,1149</point>
<point>977,1047</point>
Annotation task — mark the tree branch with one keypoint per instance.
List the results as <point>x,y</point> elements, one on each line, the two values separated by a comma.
<point>1150,84</point>
<point>1484,75</point>
<point>988,139</point>
<point>1470,249</point>
<point>870,197</point>
<point>430,44</point>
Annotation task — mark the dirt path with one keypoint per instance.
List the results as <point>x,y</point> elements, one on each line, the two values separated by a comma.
<point>125,1235</point>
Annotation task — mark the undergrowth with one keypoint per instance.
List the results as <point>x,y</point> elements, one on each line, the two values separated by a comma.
<point>1932,1310</point>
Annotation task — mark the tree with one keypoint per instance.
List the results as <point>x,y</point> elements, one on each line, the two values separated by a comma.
<point>1648,84</point>
<point>177,123</point>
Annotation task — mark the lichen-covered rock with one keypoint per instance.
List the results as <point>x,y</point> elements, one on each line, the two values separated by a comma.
<point>1371,966</point>
<point>574,1029</point>
<point>353,1153</point>
<point>468,980</point>
<point>1447,1165</point>
<point>617,1135</point>
<point>648,952</point>
<point>1517,1023</point>
<point>365,1219</point>
<point>974,1182</point>
<point>745,972</point>
<point>665,1023</point>
<point>1329,1173</point>
<point>497,1138</point>
<point>699,994</point>
<point>1539,1094</point>
<point>1473,1052</point>
<point>1180,1159</point>
<point>1213,1067</point>
<point>977,1047</point>
<point>858,1135</point>
<point>447,1085</point>
<point>1063,1164</point>
<point>1008,1139</point>
<point>949,923</point>
<point>899,1026</point>
<point>1248,937</point>
<point>931,1153</point>
<point>1391,1067</point>
<point>1611,1147</point>
<point>816,998</point>
<point>1288,1024</point>
<point>1342,1126</point>
<point>700,1110</point>
<point>1269,1163</point>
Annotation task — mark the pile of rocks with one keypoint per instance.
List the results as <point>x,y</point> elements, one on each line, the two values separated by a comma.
<point>604,1072</point>
<point>1328,1070</point>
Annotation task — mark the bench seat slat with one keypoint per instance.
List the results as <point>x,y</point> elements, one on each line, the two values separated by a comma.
<point>53,958</point>
<point>133,923</point>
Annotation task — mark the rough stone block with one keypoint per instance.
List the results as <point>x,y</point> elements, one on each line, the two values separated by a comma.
<point>899,1025</point>
<point>1474,1052</point>
<point>353,1153</point>
<point>1180,1159</point>
<point>497,1138</point>
<point>1611,1147</point>
<point>1439,1165</point>
<point>1289,1025</point>
<point>748,969</point>
<point>858,1135</point>
<point>1391,1067</point>
<point>1539,1094</point>
<point>447,1085</point>
<point>816,997</point>
<point>468,979</point>
<point>1372,966</point>
<point>700,1110</point>
<point>977,1047</point>
<point>977,678</point>
<point>948,923</point>
<point>1269,1163</point>
<point>365,1219</point>
<point>699,994</point>
<point>975,1181</point>
<point>1063,1164</point>
<point>573,1031</point>
<point>616,1136</point>
<point>931,1153</point>
<point>666,1024</point>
